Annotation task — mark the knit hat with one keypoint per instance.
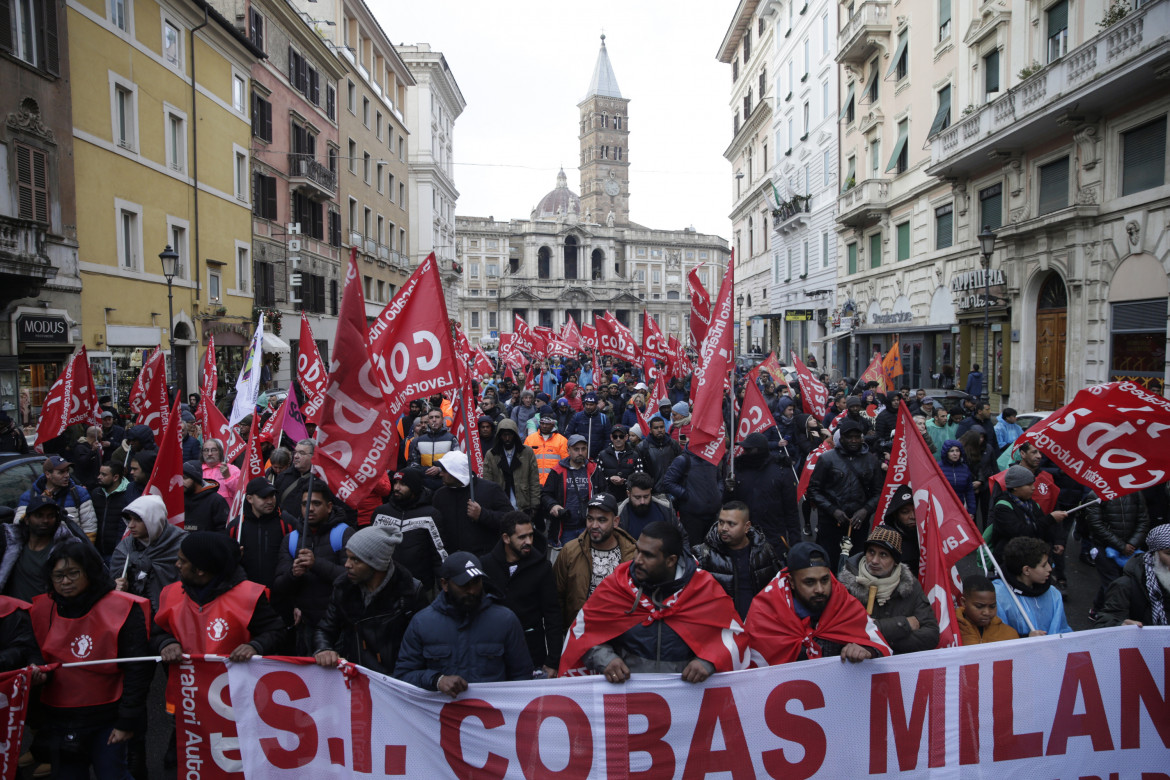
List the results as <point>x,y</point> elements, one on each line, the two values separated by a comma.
<point>375,545</point>
<point>681,408</point>
<point>755,441</point>
<point>849,426</point>
<point>1018,476</point>
<point>455,464</point>
<point>413,479</point>
<point>193,470</point>
<point>186,416</point>
<point>888,539</point>
<point>853,400</point>
<point>210,551</point>
<point>804,555</point>
<point>589,398</point>
<point>903,495</point>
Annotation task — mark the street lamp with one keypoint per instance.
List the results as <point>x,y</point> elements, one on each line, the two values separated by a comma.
<point>739,344</point>
<point>170,265</point>
<point>986,247</point>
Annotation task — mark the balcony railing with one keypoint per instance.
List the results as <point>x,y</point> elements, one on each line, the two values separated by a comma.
<point>872,17</point>
<point>858,204</point>
<point>304,171</point>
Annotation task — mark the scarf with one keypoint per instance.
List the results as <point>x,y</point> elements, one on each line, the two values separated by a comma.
<point>885,585</point>
<point>1157,539</point>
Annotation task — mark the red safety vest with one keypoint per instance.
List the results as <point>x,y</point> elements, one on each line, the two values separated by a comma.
<point>8,605</point>
<point>90,637</point>
<point>215,628</point>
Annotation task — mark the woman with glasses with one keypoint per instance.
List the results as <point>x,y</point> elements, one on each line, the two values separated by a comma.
<point>89,713</point>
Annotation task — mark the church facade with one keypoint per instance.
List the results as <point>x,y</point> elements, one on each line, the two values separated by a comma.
<point>581,255</point>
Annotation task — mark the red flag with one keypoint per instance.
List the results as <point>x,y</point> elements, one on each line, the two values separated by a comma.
<point>463,405</point>
<point>814,396</point>
<point>138,390</point>
<point>523,338</point>
<point>253,467</point>
<point>152,410</point>
<point>483,363</point>
<point>14,696</point>
<point>657,396</point>
<point>209,383</point>
<point>935,502</point>
<point>614,339</point>
<point>654,344</point>
<point>215,426</point>
<point>754,417</point>
<point>166,480</point>
<point>936,583</point>
<point>1044,491</point>
<point>809,464</point>
<point>1111,438</point>
<point>509,374</point>
<point>708,436</point>
<point>72,399</point>
<point>874,373</point>
<point>570,334</point>
<point>771,365</point>
<point>700,306</point>
<point>588,338</point>
<point>356,436</point>
<point>528,383</point>
<point>558,348</point>
<point>463,351</point>
<point>311,373</point>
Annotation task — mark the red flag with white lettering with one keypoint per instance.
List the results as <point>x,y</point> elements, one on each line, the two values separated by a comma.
<point>72,399</point>
<point>483,363</point>
<point>137,396</point>
<point>356,435</point>
<point>523,338</point>
<point>209,382</point>
<point>814,396</point>
<point>15,686</point>
<point>215,426</point>
<point>935,580</point>
<point>253,467</point>
<point>588,338</point>
<point>311,373</point>
<point>463,406</point>
<point>654,344</point>
<point>614,339</point>
<point>570,334</point>
<point>700,306</point>
<point>166,480</point>
<point>558,348</point>
<point>754,417</point>
<point>708,437</point>
<point>809,464</point>
<point>657,396</point>
<point>1111,438</point>
<point>150,403</point>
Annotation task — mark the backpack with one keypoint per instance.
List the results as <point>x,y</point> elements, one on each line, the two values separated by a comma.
<point>336,537</point>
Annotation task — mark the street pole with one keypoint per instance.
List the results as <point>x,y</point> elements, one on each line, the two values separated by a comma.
<point>986,247</point>
<point>170,262</point>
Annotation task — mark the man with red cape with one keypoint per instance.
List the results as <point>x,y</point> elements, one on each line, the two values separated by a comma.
<point>656,613</point>
<point>806,613</point>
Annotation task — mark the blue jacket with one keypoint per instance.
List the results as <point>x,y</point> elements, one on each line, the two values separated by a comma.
<point>597,434</point>
<point>487,646</point>
<point>1006,432</point>
<point>192,448</point>
<point>959,475</point>
<point>695,485</point>
<point>1046,610</point>
<point>975,385</point>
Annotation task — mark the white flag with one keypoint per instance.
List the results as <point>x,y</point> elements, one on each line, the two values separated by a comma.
<point>248,385</point>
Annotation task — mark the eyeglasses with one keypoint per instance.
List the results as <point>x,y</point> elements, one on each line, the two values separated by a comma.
<point>72,575</point>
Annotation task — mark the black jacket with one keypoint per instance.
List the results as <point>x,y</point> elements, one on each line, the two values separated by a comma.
<point>266,628</point>
<point>18,643</point>
<point>369,634</point>
<point>260,539</point>
<point>769,490</point>
<point>695,484</point>
<point>1127,598</point>
<point>530,592</point>
<point>459,532</point>
<point>1119,522</point>
<point>716,557</point>
<point>421,550</point>
<point>618,464</point>
<point>657,457</point>
<point>290,485</point>
<point>847,482</point>
<point>87,460</point>
<point>310,592</point>
<point>108,508</point>
<point>1013,517</point>
<point>205,509</point>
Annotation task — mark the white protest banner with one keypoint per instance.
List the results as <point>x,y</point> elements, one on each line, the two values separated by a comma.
<point>1085,705</point>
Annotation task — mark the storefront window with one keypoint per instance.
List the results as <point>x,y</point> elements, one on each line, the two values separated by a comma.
<point>36,379</point>
<point>1138,344</point>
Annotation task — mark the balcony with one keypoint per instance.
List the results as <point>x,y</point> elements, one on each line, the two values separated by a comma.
<point>24,264</point>
<point>312,178</point>
<point>863,204</point>
<point>869,23</point>
<point>1126,59</point>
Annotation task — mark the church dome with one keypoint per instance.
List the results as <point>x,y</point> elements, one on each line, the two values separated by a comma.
<point>561,201</point>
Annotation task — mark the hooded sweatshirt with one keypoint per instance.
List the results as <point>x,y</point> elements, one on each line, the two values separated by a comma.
<point>151,562</point>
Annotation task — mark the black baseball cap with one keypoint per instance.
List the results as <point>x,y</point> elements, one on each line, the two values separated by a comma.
<point>261,487</point>
<point>461,568</point>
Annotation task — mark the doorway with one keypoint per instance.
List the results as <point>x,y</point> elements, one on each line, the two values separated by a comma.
<point>1051,335</point>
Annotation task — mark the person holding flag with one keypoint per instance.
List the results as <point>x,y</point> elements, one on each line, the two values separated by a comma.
<point>845,487</point>
<point>144,561</point>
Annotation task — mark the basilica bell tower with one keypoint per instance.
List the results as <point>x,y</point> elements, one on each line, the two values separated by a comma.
<point>605,148</point>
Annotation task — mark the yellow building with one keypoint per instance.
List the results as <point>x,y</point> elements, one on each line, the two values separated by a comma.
<point>161,159</point>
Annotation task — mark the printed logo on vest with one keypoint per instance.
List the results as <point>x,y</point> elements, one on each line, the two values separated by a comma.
<point>81,646</point>
<point>217,629</point>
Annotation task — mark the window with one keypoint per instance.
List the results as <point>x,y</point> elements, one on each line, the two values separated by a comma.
<point>475,319</point>
<point>129,240</point>
<point>734,71</point>
<point>1053,186</point>
<point>824,34</point>
<point>792,269</point>
<point>32,183</point>
<point>239,93</point>
<point>176,141</point>
<point>264,202</point>
<point>804,266</point>
<point>875,250</point>
<point>261,118</point>
<point>875,154</point>
<point>241,174</point>
<point>353,215</point>
<point>942,117</point>
<point>903,241</point>
<point>747,46</point>
<point>944,19</point>
<point>806,119</point>
<point>991,74</point>
<point>492,270</point>
<point>379,177</point>
<point>310,216</point>
<point>900,67</point>
<point>473,269</point>
<point>172,45</point>
<point>871,89</point>
<point>1057,30</point>
<point>401,195</point>
<point>825,249</point>
<point>991,206</point>
<point>366,167</point>
<point>178,243</point>
<point>125,112</point>
<point>944,226</point>
<point>334,228</point>
<point>214,287</point>
<point>827,169</point>
<point>366,112</point>
<point>851,258</point>
<point>330,101</point>
<point>824,99</point>
<point>351,98</point>
<point>850,174</point>
<point>256,28</point>
<point>401,149</point>
<point>243,268</point>
<point>807,59</point>
<point>900,159</point>
<point>491,320</point>
<point>378,124</point>
<point>367,222</point>
<point>1143,157</point>
<point>120,14</point>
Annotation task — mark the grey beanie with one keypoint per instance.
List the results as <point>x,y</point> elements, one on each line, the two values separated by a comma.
<point>375,545</point>
<point>1018,476</point>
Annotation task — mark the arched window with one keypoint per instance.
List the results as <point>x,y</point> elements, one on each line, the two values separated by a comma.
<point>544,262</point>
<point>1053,294</point>
<point>597,262</point>
<point>571,257</point>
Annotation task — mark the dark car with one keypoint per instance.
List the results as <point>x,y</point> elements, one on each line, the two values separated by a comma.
<point>17,473</point>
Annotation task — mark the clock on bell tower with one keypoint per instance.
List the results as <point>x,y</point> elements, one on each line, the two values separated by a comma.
<point>605,132</point>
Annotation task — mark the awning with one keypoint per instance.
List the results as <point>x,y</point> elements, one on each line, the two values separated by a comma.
<point>942,119</point>
<point>848,100</point>
<point>873,74</point>
<point>273,343</point>
<point>899,146</point>
<point>903,39</point>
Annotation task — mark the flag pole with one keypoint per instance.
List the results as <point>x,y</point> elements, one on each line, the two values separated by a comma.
<point>731,450</point>
<point>987,551</point>
<point>467,425</point>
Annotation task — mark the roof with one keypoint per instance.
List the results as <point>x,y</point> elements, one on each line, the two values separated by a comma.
<point>740,23</point>
<point>603,83</point>
<point>560,202</point>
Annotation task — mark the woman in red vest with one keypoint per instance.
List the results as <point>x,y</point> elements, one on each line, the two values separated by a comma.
<point>89,712</point>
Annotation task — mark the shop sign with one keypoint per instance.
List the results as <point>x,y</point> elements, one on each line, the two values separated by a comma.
<point>41,329</point>
<point>970,288</point>
<point>892,318</point>
<point>798,315</point>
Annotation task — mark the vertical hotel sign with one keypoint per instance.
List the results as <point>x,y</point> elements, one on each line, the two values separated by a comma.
<point>293,230</point>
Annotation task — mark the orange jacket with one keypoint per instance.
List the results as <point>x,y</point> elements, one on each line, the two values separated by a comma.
<point>548,453</point>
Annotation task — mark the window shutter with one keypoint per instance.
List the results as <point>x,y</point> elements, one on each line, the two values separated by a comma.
<point>6,25</point>
<point>991,77</point>
<point>944,226</point>
<point>330,101</point>
<point>302,74</point>
<point>267,120</point>
<point>257,120</point>
<point>944,11</point>
<point>32,185</point>
<point>270,280</point>
<point>1053,186</point>
<point>904,241</point>
<point>1143,157</point>
<point>875,250</point>
<point>258,188</point>
<point>991,207</point>
<point>270,196</point>
<point>333,296</point>
<point>292,66</point>
<point>1057,18</point>
<point>314,87</point>
<point>50,55</point>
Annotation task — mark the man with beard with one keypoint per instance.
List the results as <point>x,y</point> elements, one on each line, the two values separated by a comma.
<point>548,446</point>
<point>1140,595</point>
<point>513,467</point>
<point>658,451</point>
<point>371,605</point>
<point>261,532</point>
<point>769,491</point>
<point>432,445</point>
<point>643,508</point>
<point>592,556</point>
<point>567,491</point>
<point>409,510</point>
<point>845,487</point>
<point>618,461</point>
<point>738,556</point>
<point>204,509</point>
<point>657,614</point>
<point>27,544</point>
<point>518,568</point>
<point>464,636</point>
<point>806,613</point>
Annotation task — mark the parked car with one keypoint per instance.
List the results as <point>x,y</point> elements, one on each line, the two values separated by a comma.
<point>949,399</point>
<point>1027,419</point>
<point>17,474</point>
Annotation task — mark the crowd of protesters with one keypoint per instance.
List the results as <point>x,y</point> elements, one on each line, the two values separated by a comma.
<point>446,577</point>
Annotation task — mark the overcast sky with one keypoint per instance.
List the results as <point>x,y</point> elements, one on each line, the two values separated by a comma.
<point>523,66</point>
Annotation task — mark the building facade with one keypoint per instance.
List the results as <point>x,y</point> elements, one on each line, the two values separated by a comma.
<point>39,280</point>
<point>161,138</point>
<point>580,256</point>
<point>433,105</point>
<point>750,48</point>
